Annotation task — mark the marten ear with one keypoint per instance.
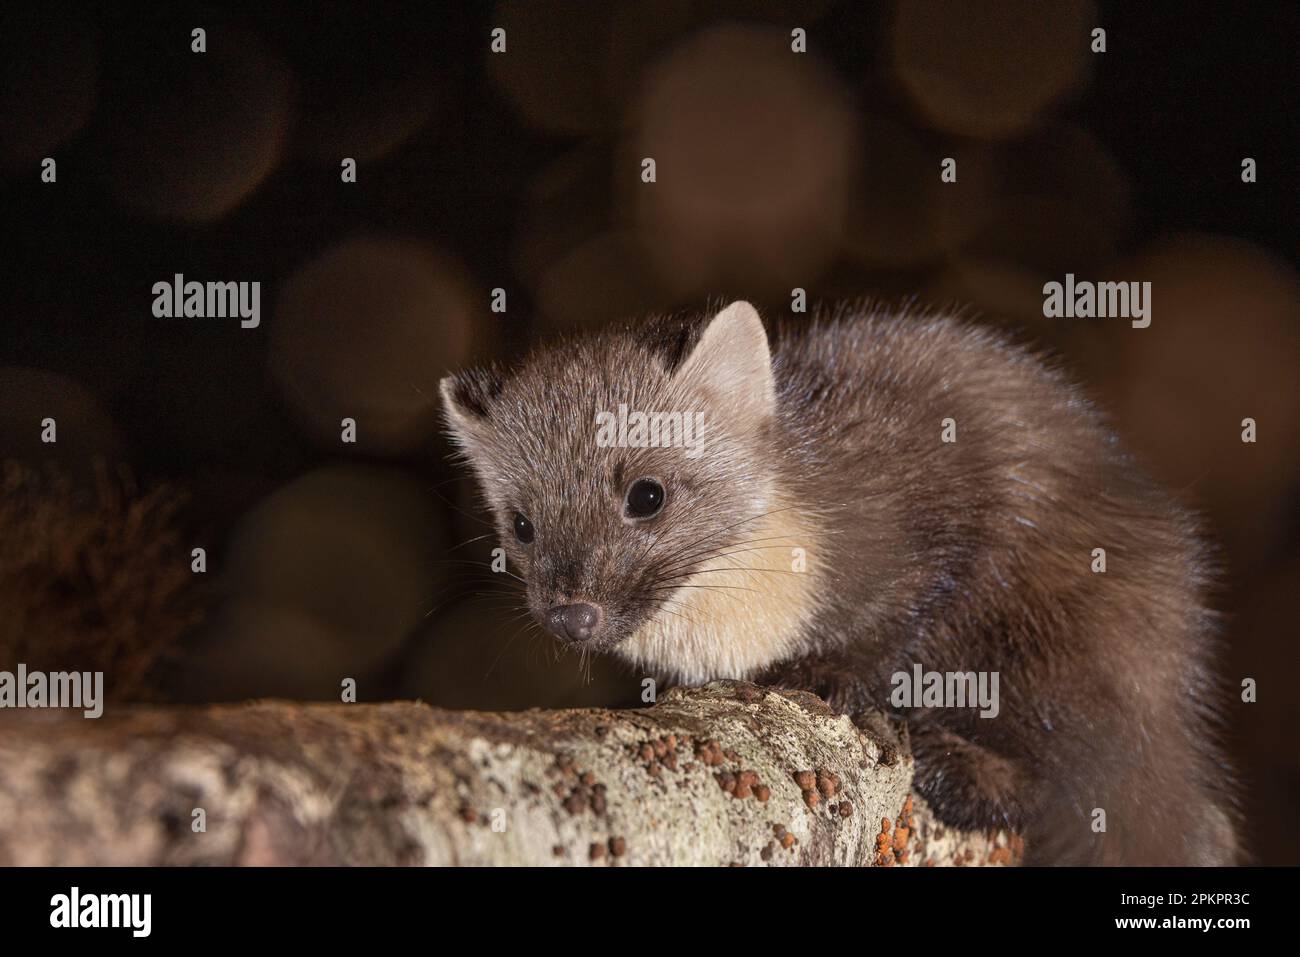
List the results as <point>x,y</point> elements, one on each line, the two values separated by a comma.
<point>732,362</point>
<point>467,399</point>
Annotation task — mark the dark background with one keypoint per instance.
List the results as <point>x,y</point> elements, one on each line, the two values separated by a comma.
<point>521,172</point>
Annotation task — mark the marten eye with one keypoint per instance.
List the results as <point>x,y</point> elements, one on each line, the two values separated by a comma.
<point>523,528</point>
<point>645,498</point>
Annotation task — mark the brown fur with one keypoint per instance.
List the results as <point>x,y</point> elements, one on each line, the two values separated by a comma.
<point>965,556</point>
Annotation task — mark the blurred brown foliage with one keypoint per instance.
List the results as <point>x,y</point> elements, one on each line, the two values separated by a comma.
<point>90,578</point>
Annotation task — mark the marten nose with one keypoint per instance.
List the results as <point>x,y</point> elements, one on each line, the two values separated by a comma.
<point>574,622</point>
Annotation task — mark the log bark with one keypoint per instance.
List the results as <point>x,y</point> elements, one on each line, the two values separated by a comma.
<point>724,774</point>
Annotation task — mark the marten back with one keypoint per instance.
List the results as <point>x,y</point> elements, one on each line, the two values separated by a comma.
<point>979,557</point>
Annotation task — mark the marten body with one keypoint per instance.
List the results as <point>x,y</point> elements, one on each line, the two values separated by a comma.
<point>872,494</point>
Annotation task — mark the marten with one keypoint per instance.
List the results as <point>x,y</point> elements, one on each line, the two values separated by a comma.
<point>863,495</point>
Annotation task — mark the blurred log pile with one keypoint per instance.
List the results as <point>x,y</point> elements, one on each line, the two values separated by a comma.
<point>724,774</point>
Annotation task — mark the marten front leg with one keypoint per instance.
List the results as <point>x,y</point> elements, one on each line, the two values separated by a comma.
<point>966,784</point>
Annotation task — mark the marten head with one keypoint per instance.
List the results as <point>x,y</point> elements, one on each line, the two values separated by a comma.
<point>627,471</point>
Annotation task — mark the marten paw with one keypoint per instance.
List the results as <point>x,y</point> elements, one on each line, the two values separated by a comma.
<point>966,784</point>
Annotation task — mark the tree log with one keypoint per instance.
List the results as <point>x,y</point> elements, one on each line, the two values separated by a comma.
<point>724,774</point>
